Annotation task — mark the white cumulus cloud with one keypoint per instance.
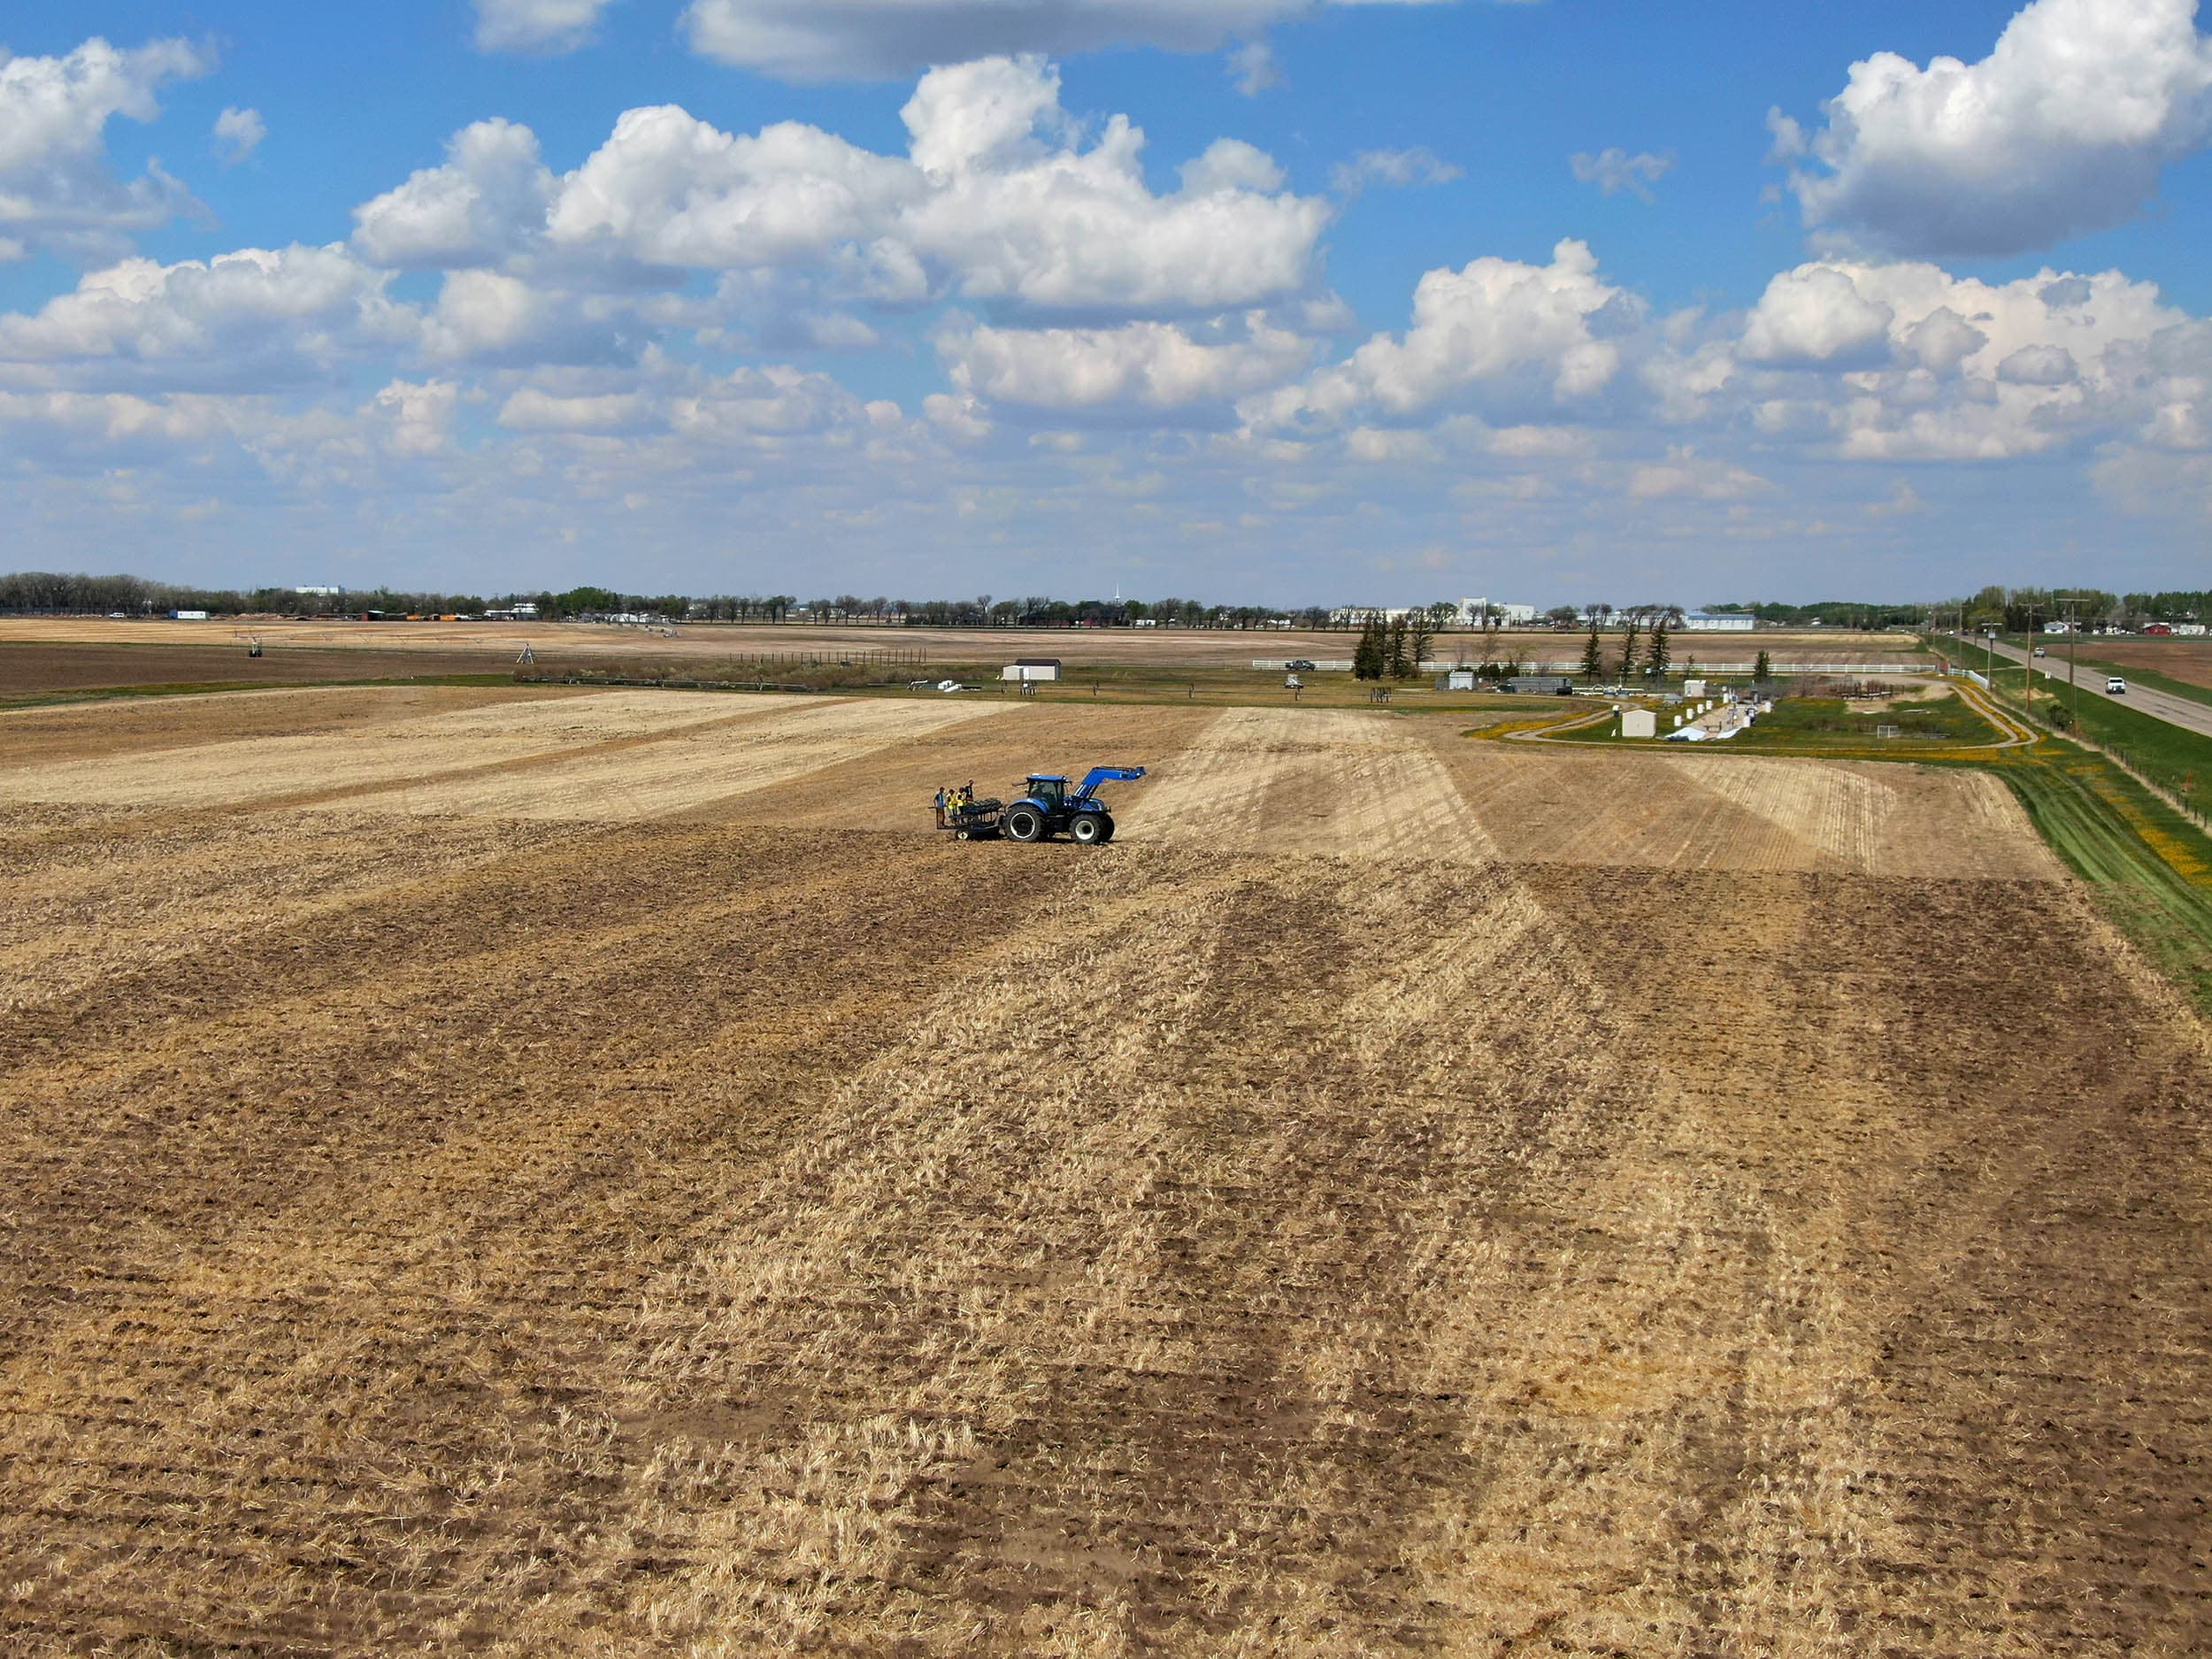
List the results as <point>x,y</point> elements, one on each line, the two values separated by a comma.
<point>254,319</point>
<point>1149,365</point>
<point>2063,128</point>
<point>238,134</point>
<point>1905,361</point>
<point>487,201</point>
<point>1254,68</point>
<point>531,410</point>
<point>997,201</point>
<point>1816,314</point>
<point>1400,169</point>
<point>535,26</point>
<point>668,188</point>
<point>56,187</point>
<point>1522,331</point>
<point>819,40</point>
<point>1614,170</point>
<point>414,417</point>
<point>1014,218</point>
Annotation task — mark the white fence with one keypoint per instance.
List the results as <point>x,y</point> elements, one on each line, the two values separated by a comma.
<point>1573,665</point>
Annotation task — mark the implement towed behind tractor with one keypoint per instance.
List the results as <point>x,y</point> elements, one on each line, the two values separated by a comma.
<point>1047,808</point>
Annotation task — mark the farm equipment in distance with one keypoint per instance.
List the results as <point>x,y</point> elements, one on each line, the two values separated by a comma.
<point>1047,807</point>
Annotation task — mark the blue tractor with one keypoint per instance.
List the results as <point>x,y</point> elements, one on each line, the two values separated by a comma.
<point>1049,807</point>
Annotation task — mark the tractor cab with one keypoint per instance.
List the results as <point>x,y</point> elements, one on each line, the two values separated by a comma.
<point>1049,790</point>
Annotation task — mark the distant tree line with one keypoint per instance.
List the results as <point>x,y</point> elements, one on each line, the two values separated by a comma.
<point>49,593</point>
<point>2022,609</point>
<point>1830,613</point>
<point>2014,608</point>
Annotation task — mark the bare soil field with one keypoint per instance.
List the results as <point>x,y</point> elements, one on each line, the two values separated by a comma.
<point>2189,661</point>
<point>61,666</point>
<point>593,1174</point>
<point>460,647</point>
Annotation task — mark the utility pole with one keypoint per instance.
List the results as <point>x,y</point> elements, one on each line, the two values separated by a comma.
<point>2073,679</point>
<point>2027,677</point>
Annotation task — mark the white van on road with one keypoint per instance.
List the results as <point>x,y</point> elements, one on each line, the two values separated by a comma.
<point>2114,686</point>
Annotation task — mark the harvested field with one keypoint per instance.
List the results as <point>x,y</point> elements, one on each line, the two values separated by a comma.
<point>2189,661</point>
<point>35,665</point>
<point>624,1186</point>
<point>464,647</point>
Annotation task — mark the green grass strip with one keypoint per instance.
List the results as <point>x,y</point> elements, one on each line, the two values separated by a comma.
<point>2149,868</point>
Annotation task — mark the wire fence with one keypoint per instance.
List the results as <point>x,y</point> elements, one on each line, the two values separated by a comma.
<point>831,656</point>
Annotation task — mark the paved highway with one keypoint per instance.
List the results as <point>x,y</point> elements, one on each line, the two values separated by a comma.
<point>2194,717</point>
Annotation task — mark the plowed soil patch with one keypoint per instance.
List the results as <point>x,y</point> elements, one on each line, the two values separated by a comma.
<point>464,1232</point>
<point>1313,780</point>
<point>142,725</point>
<point>1746,812</point>
<point>399,751</point>
<point>90,664</point>
<point>679,771</point>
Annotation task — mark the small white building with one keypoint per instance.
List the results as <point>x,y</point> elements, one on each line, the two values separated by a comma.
<point>1471,613</point>
<point>1026,669</point>
<point>1719,622</point>
<point>1694,689</point>
<point>1639,723</point>
<point>1460,680</point>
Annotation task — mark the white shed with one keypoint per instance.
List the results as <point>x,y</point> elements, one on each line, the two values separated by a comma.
<point>1639,723</point>
<point>1028,668</point>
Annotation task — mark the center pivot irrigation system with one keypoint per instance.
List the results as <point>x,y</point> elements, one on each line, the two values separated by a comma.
<point>1047,808</point>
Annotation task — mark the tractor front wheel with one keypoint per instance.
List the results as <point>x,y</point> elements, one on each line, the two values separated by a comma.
<point>1089,828</point>
<point>1105,826</point>
<point>1026,823</point>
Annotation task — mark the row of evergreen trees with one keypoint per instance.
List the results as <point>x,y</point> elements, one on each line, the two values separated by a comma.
<point>1395,648</point>
<point>1657,645</point>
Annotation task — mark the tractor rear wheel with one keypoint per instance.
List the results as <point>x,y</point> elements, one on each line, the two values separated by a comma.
<point>1026,823</point>
<point>1089,828</point>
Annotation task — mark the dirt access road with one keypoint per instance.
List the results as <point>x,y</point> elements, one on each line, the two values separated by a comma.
<point>588,1174</point>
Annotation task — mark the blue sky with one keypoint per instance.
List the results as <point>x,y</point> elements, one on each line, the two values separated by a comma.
<point>1554,300</point>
